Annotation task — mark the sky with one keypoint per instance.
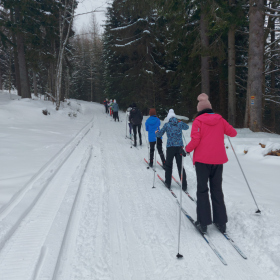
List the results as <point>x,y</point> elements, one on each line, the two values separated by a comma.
<point>85,6</point>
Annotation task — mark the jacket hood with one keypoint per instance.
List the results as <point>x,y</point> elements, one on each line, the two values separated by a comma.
<point>173,121</point>
<point>152,120</point>
<point>209,119</point>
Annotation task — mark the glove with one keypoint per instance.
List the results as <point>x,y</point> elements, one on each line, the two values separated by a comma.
<point>188,154</point>
<point>182,152</point>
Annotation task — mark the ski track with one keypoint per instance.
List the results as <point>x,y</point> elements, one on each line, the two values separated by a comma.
<point>24,240</point>
<point>98,217</point>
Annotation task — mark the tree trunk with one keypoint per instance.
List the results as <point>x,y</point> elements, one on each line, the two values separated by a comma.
<point>205,80</point>
<point>35,84</point>
<point>62,45</point>
<point>222,89</point>
<point>255,65</point>
<point>272,75</point>
<point>231,77</point>
<point>15,57</point>
<point>25,90</point>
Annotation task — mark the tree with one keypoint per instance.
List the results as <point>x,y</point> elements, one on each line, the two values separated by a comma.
<point>255,66</point>
<point>65,23</point>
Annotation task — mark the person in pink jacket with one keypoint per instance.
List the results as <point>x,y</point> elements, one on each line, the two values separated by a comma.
<point>207,142</point>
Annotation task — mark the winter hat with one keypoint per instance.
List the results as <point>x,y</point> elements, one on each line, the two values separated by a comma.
<point>152,112</point>
<point>133,105</point>
<point>115,101</point>
<point>170,115</point>
<point>203,102</point>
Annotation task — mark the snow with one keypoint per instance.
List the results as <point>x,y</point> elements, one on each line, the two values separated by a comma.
<point>77,202</point>
<point>129,25</point>
<point>128,44</point>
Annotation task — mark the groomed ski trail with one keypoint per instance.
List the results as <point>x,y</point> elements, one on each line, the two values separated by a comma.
<point>129,230</point>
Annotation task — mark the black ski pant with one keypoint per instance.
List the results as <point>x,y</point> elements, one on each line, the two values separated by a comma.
<point>106,109</point>
<point>159,148</point>
<point>172,152</point>
<point>213,173</point>
<point>136,127</point>
<point>116,116</point>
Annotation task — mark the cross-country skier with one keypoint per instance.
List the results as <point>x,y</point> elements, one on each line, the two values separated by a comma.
<point>128,114</point>
<point>152,125</point>
<point>135,119</point>
<point>105,102</point>
<point>174,146</point>
<point>207,141</point>
<point>115,108</point>
<point>110,107</point>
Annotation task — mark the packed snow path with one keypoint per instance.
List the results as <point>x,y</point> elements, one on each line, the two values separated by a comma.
<point>91,213</point>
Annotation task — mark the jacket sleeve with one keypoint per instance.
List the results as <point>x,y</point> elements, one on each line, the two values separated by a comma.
<point>162,131</point>
<point>147,125</point>
<point>229,130</point>
<point>195,137</point>
<point>184,126</point>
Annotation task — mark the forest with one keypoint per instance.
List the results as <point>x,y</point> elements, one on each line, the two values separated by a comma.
<point>160,54</point>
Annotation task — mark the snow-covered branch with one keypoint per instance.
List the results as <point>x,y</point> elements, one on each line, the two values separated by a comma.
<point>127,26</point>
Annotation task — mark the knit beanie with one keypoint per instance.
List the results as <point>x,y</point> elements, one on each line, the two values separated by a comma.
<point>115,101</point>
<point>203,102</point>
<point>152,112</point>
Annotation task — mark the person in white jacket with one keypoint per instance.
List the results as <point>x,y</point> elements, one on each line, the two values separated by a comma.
<point>127,116</point>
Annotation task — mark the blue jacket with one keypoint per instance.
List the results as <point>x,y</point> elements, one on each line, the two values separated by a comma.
<point>115,107</point>
<point>173,130</point>
<point>152,124</point>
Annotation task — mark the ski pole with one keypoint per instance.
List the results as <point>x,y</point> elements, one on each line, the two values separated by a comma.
<point>155,163</point>
<point>180,214</point>
<point>126,127</point>
<point>258,211</point>
<point>132,135</point>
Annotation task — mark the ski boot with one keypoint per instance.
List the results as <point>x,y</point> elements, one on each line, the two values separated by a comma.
<point>200,227</point>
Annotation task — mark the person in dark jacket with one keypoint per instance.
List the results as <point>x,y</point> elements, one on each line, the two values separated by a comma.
<point>207,141</point>
<point>135,118</point>
<point>174,147</point>
<point>115,108</point>
<point>105,102</point>
<point>152,125</point>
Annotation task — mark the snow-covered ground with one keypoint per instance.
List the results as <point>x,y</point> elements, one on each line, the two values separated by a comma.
<point>77,202</point>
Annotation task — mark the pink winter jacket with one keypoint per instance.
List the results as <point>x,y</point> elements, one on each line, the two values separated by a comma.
<point>207,139</point>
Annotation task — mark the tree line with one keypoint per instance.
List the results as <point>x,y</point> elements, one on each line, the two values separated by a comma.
<point>160,53</point>
<point>164,53</point>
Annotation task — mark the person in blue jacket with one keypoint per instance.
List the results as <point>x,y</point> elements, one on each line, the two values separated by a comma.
<point>174,146</point>
<point>152,124</point>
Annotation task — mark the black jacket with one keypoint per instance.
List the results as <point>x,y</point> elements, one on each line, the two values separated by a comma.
<point>135,116</point>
